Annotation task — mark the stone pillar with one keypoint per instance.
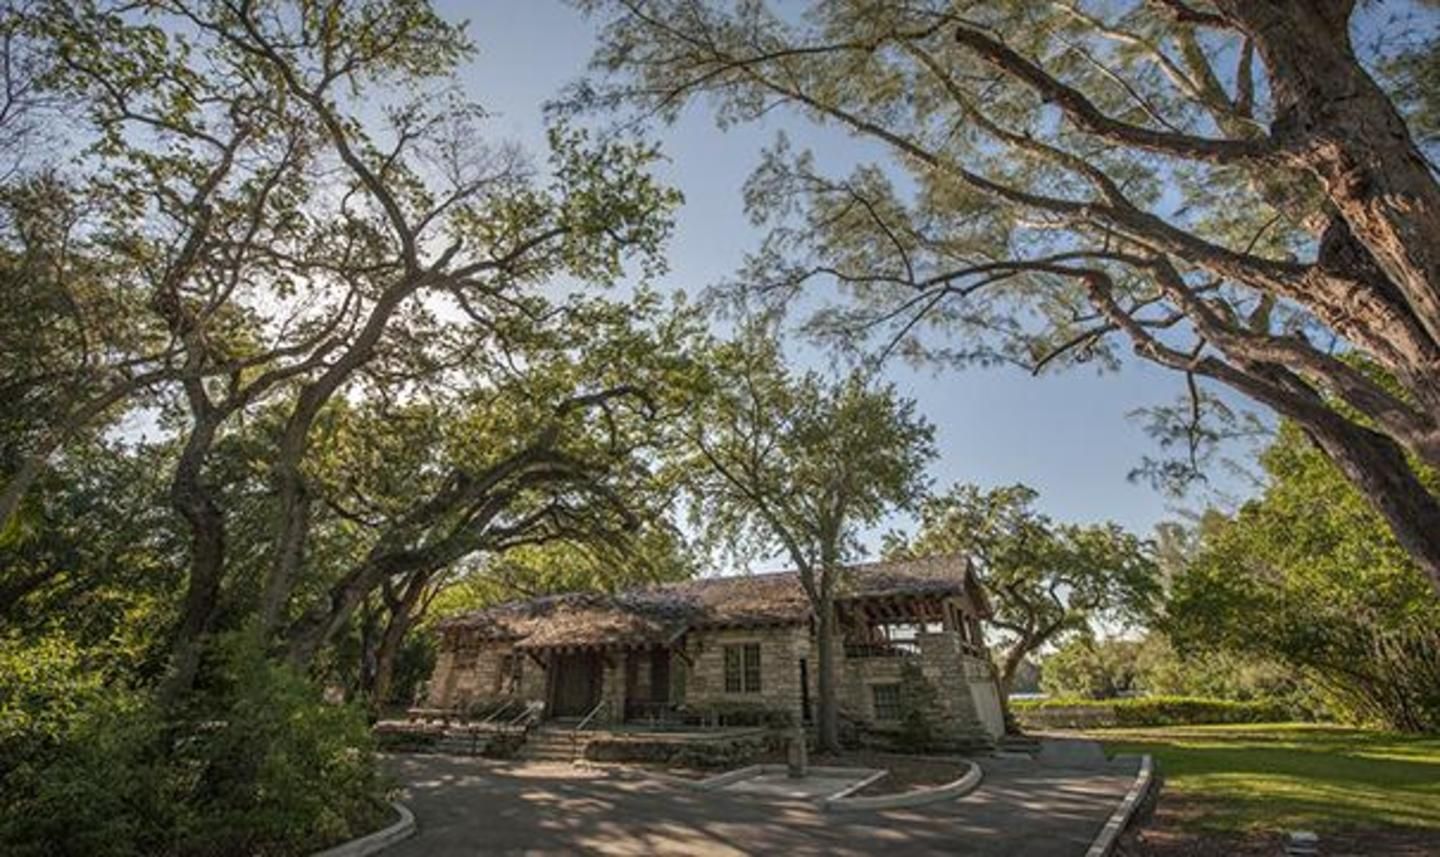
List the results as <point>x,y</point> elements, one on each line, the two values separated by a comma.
<point>943,663</point>
<point>612,687</point>
<point>798,755</point>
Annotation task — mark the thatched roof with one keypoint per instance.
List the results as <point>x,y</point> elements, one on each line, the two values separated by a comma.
<point>660,614</point>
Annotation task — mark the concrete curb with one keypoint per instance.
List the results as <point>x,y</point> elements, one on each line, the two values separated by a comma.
<point>1105,843</point>
<point>854,787</point>
<point>371,843</point>
<point>918,797</point>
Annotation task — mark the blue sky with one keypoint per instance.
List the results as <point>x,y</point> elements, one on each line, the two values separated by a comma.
<point>1067,435</point>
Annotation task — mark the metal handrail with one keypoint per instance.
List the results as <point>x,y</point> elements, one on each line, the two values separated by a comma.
<point>585,721</point>
<point>494,713</point>
<point>531,715</point>
<point>526,713</point>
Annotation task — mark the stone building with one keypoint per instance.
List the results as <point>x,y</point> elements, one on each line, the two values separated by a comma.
<point>716,649</point>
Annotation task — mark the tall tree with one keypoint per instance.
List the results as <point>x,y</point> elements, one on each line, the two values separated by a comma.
<point>796,464</point>
<point>1044,580</point>
<point>1224,186</point>
<point>286,246</point>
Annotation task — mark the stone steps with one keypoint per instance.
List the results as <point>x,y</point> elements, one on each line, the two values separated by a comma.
<point>459,744</point>
<point>1017,745</point>
<point>551,745</point>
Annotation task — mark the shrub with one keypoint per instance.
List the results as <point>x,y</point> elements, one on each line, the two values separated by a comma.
<point>257,764</point>
<point>1145,711</point>
<point>728,753</point>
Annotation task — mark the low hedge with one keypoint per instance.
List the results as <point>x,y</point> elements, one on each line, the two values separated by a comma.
<point>1145,711</point>
<point>727,753</point>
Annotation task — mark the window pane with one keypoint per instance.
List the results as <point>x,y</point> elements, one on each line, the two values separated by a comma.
<point>752,668</point>
<point>887,701</point>
<point>732,669</point>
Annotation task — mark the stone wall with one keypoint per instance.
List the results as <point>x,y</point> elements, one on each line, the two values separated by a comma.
<point>959,716</point>
<point>534,679</point>
<point>781,649</point>
<point>467,674</point>
<point>968,706</point>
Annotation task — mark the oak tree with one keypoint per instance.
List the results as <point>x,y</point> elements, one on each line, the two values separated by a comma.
<point>796,464</point>
<point>1045,580</point>
<point>1232,189</point>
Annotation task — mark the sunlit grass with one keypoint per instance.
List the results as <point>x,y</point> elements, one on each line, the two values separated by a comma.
<point>1291,775</point>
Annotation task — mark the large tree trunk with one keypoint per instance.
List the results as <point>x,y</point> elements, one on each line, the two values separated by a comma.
<point>402,615</point>
<point>1377,467</point>
<point>389,649</point>
<point>1005,678</point>
<point>192,499</point>
<point>828,719</point>
<point>1335,120</point>
<point>292,529</point>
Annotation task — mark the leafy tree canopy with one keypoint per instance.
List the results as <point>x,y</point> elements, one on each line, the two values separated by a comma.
<point>1237,191</point>
<point>1044,579</point>
<point>1343,604</point>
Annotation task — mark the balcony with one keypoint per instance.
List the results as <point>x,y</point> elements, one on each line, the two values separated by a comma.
<point>890,649</point>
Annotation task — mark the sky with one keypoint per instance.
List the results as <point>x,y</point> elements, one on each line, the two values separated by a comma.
<point>1069,435</point>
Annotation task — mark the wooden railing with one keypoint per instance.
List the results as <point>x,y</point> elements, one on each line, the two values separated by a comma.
<point>891,649</point>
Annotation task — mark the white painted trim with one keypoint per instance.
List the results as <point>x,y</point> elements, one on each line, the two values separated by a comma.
<point>917,797</point>
<point>1109,835</point>
<point>371,843</point>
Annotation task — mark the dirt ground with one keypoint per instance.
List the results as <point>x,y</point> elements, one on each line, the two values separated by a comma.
<point>1169,832</point>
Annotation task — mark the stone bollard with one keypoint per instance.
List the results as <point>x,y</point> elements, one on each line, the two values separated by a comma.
<point>798,755</point>
<point>1302,843</point>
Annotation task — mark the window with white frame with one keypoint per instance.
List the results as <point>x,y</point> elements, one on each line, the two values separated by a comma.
<point>742,668</point>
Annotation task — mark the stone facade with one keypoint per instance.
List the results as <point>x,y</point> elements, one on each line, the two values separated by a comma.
<point>967,704</point>
<point>782,649</point>
<point>467,674</point>
<point>935,629</point>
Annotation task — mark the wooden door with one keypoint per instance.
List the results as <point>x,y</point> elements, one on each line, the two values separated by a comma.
<point>659,675</point>
<point>577,684</point>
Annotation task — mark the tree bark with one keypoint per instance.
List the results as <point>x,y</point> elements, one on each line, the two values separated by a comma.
<point>391,640</point>
<point>1377,467</point>
<point>1333,119</point>
<point>828,719</point>
<point>402,615</point>
<point>293,523</point>
<point>192,499</point>
<point>1005,678</point>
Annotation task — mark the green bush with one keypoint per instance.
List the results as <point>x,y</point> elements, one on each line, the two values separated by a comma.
<point>257,764</point>
<point>77,771</point>
<point>716,754</point>
<point>1145,711</point>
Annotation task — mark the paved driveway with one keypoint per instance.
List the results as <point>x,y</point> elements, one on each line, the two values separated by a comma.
<point>467,806</point>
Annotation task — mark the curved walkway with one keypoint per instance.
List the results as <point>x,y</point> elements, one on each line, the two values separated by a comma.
<point>467,806</point>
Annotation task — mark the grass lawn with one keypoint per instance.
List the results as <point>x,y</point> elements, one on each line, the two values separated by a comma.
<point>1286,776</point>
